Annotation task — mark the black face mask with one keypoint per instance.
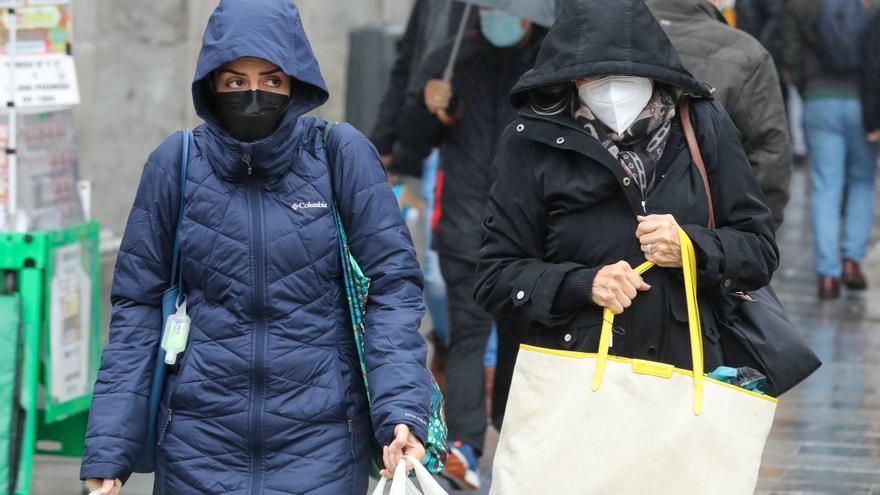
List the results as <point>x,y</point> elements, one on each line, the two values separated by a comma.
<point>251,115</point>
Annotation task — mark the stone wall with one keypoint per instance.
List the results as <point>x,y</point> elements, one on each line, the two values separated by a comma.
<point>135,62</point>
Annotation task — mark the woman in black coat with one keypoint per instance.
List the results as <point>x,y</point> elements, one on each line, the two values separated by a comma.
<point>588,191</point>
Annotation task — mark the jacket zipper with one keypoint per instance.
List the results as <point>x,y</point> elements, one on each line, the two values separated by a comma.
<point>594,157</point>
<point>351,437</point>
<point>258,379</point>
<point>246,158</point>
<point>165,427</point>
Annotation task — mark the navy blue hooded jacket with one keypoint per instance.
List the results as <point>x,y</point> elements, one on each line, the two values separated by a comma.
<point>269,398</point>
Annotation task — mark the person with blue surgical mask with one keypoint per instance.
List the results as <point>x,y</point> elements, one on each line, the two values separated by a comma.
<point>502,29</point>
<point>465,118</point>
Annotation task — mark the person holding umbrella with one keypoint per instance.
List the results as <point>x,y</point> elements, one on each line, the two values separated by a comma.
<point>431,24</point>
<point>464,114</point>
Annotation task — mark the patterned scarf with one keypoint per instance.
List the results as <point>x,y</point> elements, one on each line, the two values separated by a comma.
<point>640,147</point>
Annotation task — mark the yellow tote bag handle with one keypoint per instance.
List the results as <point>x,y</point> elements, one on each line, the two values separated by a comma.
<point>689,269</point>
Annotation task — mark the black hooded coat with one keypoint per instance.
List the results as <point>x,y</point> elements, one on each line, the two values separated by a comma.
<point>563,207</point>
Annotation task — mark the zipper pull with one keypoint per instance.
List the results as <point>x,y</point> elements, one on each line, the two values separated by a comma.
<point>246,158</point>
<point>644,207</point>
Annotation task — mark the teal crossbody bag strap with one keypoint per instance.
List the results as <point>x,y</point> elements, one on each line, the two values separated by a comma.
<point>357,286</point>
<point>145,462</point>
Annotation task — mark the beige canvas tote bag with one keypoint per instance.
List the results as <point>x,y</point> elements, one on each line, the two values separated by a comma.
<point>583,424</point>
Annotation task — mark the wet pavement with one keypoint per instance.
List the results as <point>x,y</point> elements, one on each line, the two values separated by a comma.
<point>826,437</point>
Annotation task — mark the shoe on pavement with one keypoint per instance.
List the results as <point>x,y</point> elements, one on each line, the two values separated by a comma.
<point>462,467</point>
<point>829,288</point>
<point>853,277</point>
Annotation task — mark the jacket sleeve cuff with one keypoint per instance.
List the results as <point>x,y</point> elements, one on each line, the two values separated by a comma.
<point>575,290</point>
<point>710,255</point>
<point>386,434</point>
<point>104,471</point>
<point>536,290</point>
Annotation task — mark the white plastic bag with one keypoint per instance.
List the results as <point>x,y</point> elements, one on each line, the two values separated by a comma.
<point>402,485</point>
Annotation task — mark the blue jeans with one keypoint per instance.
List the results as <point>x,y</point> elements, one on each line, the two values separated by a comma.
<point>435,286</point>
<point>491,358</point>
<point>843,162</point>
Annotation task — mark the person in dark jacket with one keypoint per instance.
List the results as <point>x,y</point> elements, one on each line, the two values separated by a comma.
<point>747,84</point>
<point>269,397</point>
<point>595,175</point>
<point>843,163</point>
<point>431,24</point>
<point>871,82</point>
<point>763,20</point>
<point>477,110</point>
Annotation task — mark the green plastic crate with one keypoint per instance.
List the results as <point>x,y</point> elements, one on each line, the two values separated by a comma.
<point>49,426</point>
<point>10,334</point>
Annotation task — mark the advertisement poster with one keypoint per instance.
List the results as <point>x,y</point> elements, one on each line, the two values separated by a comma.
<point>42,28</point>
<point>41,81</point>
<point>71,294</point>
<point>48,170</point>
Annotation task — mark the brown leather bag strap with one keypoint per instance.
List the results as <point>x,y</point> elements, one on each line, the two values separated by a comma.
<point>696,155</point>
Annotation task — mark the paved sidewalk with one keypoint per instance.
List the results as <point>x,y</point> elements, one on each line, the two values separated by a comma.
<point>826,437</point>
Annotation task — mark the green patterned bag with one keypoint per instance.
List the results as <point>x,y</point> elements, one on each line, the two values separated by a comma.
<point>357,286</point>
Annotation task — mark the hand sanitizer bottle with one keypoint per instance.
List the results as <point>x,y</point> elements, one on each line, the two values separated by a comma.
<point>176,334</point>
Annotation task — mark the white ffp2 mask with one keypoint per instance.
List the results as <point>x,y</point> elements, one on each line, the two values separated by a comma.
<point>617,101</point>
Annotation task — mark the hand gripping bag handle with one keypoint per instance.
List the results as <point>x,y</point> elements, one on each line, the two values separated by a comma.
<point>689,269</point>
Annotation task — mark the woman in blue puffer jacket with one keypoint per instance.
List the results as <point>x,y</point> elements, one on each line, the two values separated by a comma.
<point>269,397</point>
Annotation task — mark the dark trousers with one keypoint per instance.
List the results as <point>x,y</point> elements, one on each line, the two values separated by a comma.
<point>510,332</point>
<point>469,329</point>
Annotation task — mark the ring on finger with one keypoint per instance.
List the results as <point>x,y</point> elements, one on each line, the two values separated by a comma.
<point>650,248</point>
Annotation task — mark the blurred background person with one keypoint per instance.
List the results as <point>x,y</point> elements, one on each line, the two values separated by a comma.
<point>746,82</point>
<point>431,24</point>
<point>762,19</point>
<point>464,118</point>
<point>824,49</point>
<point>871,81</point>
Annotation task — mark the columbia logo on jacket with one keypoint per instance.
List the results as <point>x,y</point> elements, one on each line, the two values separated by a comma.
<point>308,205</point>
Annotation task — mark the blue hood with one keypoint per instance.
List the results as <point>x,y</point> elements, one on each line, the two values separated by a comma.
<point>271,30</point>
